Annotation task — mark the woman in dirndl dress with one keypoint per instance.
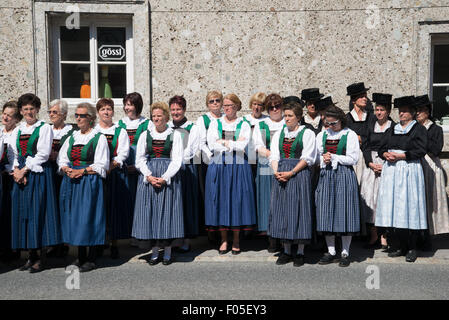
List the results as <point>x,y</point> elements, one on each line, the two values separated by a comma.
<point>84,160</point>
<point>229,199</point>
<point>35,218</point>
<point>134,124</point>
<point>401,201</point>
<point>158,213</point>
<point>262,140</point>
<point>293,151</point>
<point>372,171</point>
<point>436,200</point>
<point>189,173</point>
<point>119,214</point>
<point>57,113</point>
<point>337,194</point>
<point>10,117</point>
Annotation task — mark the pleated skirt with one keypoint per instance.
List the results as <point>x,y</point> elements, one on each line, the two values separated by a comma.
<point>132,177</point>
<point>119,208</point>
<point>190,199</point>
<point>369,188</point>
<point>229,195</point>
<point>264,176</point>
<point>6,186</point>
<point>35,218</point>
<point>83,213</point>
<point>337,201</point>
<point>158,213</point>
<point>291,205</point>
<point>401,202</point>
<point>436,195</point>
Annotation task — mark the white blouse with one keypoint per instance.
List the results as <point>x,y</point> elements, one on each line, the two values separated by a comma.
<point>43,146</point>
<point>59,133</point>
<point>134,124</point>
<point>308,140</point>
<point>356,116</point>
<point>176,155</point>
<point>193,144</point>
<point>378,129</point>
<point>259,138</point>
<point>313,122</point>
<point>123,142</point>
<point>254,121</point>
<point>203,136</point>
<point>101,157</point>
<point>8,140</point>
<point>352,148</point>
<point>239,145</point>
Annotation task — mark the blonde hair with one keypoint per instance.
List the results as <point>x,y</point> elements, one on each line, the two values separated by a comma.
<point>212,94</point>
<point>258,97</point>
<point>162,106</point>
<point>233,97</point>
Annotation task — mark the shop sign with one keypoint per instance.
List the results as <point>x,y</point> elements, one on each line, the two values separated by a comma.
<point>111,52</point>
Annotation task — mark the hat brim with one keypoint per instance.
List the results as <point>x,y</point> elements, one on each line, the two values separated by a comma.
<point>314,98</point>
<point>357,93</point>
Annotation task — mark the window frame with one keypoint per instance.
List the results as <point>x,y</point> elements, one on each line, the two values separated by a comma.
<point>93,23</point>
<point>436,39</point>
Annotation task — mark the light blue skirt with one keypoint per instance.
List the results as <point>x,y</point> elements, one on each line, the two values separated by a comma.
<point>158,214</point>
<point>401,202</point>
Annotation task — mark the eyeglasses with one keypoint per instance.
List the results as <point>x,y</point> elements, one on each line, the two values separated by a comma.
<point>332,123</point>
<point>278,106</point>
<point>82,116</point>
<point>52,112</point>
<point>216,100</point>
<point>228,105</point>
<point>257,104</point>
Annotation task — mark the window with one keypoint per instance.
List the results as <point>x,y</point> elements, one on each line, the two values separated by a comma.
<point>439,79</point>
<point>94,61</point>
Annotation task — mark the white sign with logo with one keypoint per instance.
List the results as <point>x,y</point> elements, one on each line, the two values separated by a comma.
<point>111,52</point>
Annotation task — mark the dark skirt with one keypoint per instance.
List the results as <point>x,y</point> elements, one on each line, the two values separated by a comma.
<point>337,201</point>
<point>229,196</point>
<point>5,210</point>
<point>190,199</point>
<point>83,214</point>
<point>119,214</point>
<point>132,177</point>
<point>35,218</point>
<point>158,214</point>
<point>291,205</point>
<point>264,176</point>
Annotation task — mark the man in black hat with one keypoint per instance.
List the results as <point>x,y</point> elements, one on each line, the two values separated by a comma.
<point>312,118</point>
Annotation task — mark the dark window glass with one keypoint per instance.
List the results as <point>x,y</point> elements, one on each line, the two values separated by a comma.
<point>75,80</point>
<point>441,64</point>
<point>111,81</point>
<point>75,44</point>
<point>111,44</point>
<point>440,101</point>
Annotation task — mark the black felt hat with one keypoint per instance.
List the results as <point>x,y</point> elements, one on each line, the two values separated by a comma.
<point>406,101</point>
<point>356,89</point>
<point>323,103</point>
<point>424,101</point>
<point>311,94</point>
<point>382,98</point>
<point>292,99</point>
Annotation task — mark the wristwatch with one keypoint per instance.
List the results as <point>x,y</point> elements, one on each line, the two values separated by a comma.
<point>85,171</point>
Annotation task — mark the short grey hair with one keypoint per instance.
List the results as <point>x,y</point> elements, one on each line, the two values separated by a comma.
<point>63,106</point>
<point>91,111</point>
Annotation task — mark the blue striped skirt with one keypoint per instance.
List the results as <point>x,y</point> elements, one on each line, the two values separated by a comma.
<point>158,214</point>
<point>337,201</point>
<point>119,208</point>
<point>83,214</point>
<point>401,201</point>
<point>35,219</point>
<point>291,205</point>
<point>264,178</point>
<point>229,196</point>
<point>190,199</point>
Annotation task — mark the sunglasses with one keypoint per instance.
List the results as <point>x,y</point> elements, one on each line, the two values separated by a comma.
<point>332,123</point>
<point>82,116</point>
<point>278,106</point>
<point>216,100</point>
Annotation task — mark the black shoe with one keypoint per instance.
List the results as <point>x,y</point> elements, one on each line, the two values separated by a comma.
<point>88,266</point>
<point>328,258</point>
<point>40,267</point>
<point>154,262</point>
<point>344,261</point>
<point>26,266</point>
<point>411,256</point>
<point>166,262</point>
<point>114,252</point>
<point>384,248</point>
<point>396,253</point>
<point>74,264</point>
<point>298,260</point>
<point>284,259</point>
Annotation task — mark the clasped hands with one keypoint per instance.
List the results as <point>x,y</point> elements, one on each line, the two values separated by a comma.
<point>73,173</point>
<point>156,182</point>
<point>394,156</point>
<point>283,176</point>
<point>19,175</point>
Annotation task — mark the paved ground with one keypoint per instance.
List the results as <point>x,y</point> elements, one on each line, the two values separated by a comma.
<point>253,274</point>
